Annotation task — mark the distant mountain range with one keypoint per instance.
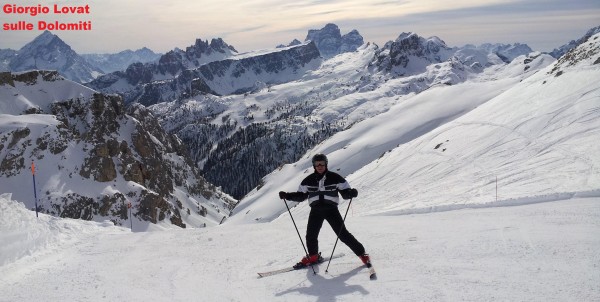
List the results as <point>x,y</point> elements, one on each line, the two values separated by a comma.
<point>560,51</point>
<point>120,61</point>
<point>208,68</point>
<point>139,81</point>
<point>48,52</point>
<point>193,131</point>
<point>282,121</point>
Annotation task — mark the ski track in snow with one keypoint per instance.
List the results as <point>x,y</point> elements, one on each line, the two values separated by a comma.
<point>539,252</point>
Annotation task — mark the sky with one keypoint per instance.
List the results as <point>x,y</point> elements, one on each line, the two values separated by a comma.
<point>257,24</point>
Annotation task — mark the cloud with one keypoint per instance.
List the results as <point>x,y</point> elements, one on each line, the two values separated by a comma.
<point>543,25</point>
<point>164,25</point>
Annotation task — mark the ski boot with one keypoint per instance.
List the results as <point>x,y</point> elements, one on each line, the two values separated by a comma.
<point>309,260</point>
<point>365,259</point>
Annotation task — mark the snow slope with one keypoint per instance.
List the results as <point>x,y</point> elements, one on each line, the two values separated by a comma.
<point>540,252</point>
<point>443,148</point>
<point>62,126</point>
<point>49,87</point>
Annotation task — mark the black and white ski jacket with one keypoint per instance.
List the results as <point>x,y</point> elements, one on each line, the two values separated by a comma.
<point>321,189</point>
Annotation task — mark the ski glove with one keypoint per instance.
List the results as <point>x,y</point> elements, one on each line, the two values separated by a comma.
<point>283,195</point>
<point>349,193</point>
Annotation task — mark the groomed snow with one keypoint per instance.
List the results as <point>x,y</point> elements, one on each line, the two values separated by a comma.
<point>539,252</point>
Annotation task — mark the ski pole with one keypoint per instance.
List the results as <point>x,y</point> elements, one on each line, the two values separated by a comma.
<point>294,222</point>
<point>338,235</point>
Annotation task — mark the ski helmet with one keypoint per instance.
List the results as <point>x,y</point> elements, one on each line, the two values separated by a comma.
<point>320,157</point>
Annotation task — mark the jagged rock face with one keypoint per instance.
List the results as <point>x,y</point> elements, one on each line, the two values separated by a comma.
<point>587,50</point>
<point>109,155</point>
<point>188,83</point>
<point>396,55</point>
<point>13,160</point>
<point>351,41</point>
<point>202,52</point>
<point>6,79</point>
<point>98,143</point>
<point>137,73</point>
<point>411,44</point>
<point>169,66</point>
<point>231,76</point>
<point>29,78</point>
<point>49,52</point>
<point>330,42</point>
<point>170,63</point>
<point>327,39</point>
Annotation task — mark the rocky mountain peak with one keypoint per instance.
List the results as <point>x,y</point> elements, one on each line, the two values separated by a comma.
<point>293,43</point>
<point>219,45</point>
<point>411,43</point>
<point>585,53</point>
<point>44,43</point>
<point>330,41</point>
<point>46,38</point>
<point>397,55</point>
<point>200,49</point>
<point>47,51</point>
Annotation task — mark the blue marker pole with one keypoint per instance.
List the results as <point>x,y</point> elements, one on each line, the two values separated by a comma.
<point>130,220</point>
<point>34,189</point>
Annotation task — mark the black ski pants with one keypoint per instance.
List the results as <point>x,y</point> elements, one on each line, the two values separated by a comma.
<point>320,213</point>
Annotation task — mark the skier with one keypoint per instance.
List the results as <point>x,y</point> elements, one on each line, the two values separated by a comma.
<point>321,188</point>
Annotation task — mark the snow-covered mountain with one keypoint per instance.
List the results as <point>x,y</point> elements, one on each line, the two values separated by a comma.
<point>169,66</point>
<point>236,75</point>
<point>5,56</point>
<point>410,48</point>
<point>527,127</point>
<point>239,75</point>
<point>218,69</point>
<point>410,54</point>
<point>94,156</point>
<point>48,52</point>
<point>120,61</point>
<point>282,122</point>
<point>507,52</point>
<point>560,51</point>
